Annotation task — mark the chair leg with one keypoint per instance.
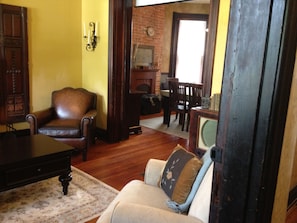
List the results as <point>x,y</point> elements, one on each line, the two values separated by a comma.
<point>169,114</point>
<point>188,122</point>
<point>84,154</point>
<point>182,116</point>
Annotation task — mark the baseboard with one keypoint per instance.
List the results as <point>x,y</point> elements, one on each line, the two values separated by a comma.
<point>101,134</point>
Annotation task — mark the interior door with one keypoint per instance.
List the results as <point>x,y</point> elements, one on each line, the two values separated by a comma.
<point>14,81</point>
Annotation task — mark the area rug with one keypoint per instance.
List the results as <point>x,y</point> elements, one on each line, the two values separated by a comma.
<point>44,201</point>
<point>173,129</point>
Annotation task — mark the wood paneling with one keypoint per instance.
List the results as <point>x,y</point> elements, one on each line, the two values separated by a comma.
<point>14,83</point>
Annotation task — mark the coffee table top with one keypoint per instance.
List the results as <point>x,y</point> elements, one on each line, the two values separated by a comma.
<point>14,149</point>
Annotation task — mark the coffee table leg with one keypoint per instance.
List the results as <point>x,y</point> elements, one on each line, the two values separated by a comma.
<point>65,179</point>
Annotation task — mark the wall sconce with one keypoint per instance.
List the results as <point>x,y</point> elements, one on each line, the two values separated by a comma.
<point>91,37</point>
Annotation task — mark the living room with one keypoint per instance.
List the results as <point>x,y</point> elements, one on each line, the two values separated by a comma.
<point>66,63</point>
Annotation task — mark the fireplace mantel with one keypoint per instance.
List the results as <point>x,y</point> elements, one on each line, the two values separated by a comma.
<point>143,80</point>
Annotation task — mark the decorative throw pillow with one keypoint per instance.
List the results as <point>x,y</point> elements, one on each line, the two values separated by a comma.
<point>179,174</point>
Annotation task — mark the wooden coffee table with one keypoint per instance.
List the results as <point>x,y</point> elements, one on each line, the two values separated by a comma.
<point>28,159</point>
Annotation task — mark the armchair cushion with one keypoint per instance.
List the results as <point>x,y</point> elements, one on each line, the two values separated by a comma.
<point>61,128</point>
<point>179,175</point>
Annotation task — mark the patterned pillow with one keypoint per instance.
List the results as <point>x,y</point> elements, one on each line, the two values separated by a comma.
<point>179,174</point>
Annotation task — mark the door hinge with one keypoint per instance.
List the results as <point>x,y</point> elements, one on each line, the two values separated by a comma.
<point>216,154</point>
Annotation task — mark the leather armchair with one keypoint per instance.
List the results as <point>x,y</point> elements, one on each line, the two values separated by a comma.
<point>70,119</point>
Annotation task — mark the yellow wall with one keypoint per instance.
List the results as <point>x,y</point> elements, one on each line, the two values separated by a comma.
<point>57,57</point>
<point>221,40</point>
<point>286,171</point>
<point>95,63</point>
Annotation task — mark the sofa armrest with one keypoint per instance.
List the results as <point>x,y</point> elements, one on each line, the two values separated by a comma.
<point>153,171</point>
<point>36,119</point>
<point>135,213</point>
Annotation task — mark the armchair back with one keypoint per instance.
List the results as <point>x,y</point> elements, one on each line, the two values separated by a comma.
<point>73,103</point>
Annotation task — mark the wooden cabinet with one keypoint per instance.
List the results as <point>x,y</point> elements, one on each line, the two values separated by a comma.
<point>14,84</point>
<point>203,129</point>
<point>143,80</point>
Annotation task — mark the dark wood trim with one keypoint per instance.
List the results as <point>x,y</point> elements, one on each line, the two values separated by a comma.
<point>281,95</point>
<point>255,94</point>
<point>119,65</point>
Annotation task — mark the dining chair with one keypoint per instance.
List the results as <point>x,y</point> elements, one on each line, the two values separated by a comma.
<point>195,98</point>
<point>178,100</point>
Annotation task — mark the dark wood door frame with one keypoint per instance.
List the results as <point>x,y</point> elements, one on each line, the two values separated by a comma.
<point>255,93</point>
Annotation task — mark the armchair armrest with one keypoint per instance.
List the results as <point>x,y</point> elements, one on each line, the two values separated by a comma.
<point>90,115</point>
<point>87,121</point>
<point>39,118</point>
<point>135,213</point>
<point>153,171</point>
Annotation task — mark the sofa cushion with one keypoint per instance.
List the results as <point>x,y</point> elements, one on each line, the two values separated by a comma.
<point>137,192</point>
<point>179,174</point>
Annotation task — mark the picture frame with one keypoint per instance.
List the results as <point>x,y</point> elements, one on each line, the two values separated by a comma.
<point>143,56</point>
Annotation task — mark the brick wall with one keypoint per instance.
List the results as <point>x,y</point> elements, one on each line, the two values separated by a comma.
<point>153,16</point>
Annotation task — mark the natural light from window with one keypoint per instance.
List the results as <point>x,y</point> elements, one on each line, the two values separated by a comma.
<point>190,51</point>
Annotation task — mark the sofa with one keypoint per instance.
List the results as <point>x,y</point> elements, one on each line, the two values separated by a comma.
<point>147,202</point>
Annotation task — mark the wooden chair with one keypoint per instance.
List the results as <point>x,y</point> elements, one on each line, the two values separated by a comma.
<point>178,100</point>
<point>195,96</point>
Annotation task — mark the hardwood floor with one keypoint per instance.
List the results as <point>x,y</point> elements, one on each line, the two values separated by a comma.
<point>118,163</point>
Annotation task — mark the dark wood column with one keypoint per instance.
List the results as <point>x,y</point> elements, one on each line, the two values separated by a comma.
<point>258,70</point>
<point>119,68</point>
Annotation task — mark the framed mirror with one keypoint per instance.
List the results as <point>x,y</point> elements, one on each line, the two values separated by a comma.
<point>143,56</point>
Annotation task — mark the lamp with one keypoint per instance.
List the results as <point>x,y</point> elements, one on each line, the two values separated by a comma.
<point>91,37</point>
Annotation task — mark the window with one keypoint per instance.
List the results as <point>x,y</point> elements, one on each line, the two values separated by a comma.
<point>189,32</point>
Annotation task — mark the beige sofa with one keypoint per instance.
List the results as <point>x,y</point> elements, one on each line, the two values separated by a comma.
<point>145,202</point>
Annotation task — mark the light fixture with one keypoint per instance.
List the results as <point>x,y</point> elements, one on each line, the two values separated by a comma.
<point>90,35</point>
